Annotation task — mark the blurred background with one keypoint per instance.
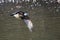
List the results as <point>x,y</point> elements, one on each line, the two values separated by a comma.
<point>45,15</point>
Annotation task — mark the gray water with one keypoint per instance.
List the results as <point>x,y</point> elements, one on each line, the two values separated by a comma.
<point>46,24</point>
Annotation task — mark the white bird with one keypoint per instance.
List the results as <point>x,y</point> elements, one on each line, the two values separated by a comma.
<point>25,18</point>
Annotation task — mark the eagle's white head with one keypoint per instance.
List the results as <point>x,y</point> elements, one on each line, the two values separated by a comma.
<point>16,16</point>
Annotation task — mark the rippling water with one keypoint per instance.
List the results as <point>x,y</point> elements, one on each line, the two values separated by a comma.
<point>46,24</point>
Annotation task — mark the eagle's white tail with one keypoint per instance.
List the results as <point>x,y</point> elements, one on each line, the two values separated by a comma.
<point>29,24</point>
